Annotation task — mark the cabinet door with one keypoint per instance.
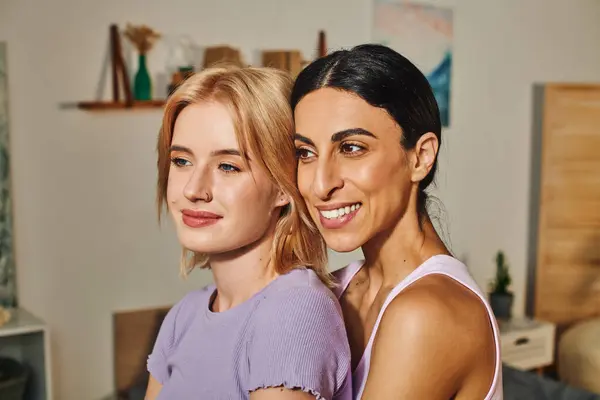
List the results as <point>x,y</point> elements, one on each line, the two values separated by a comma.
<point>568,244</point>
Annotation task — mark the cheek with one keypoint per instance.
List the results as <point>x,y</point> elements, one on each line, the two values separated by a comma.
<point>250,208</point>
<point>248,196</point>
<point>381,177</point>
<point>305,177</point>
<point>175,184</point>
<point>239,196</point>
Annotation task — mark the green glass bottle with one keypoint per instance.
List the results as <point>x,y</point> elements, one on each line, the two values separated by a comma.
<point>142,85</point>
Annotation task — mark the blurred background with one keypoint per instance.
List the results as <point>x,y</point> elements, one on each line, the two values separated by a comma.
<point>81,238</point>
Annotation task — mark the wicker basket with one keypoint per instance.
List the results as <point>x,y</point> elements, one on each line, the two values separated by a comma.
<point>13,378</point>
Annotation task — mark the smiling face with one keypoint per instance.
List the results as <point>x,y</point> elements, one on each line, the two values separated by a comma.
<point>219,202</point>
<point>353,173</point>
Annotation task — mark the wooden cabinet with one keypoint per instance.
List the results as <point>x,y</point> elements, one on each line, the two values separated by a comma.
<point>564,246</point>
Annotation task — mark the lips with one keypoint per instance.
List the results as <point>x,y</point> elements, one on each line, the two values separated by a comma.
<point>339,211</point>
<point>338,215</point>
<point>199,219</point>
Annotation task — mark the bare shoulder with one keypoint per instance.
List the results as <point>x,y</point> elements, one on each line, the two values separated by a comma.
<point>440,309</point>
<point>435,330</point>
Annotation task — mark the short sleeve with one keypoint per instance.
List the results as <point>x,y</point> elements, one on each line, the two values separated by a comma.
<point>299,342</point>
<point>157,363</point>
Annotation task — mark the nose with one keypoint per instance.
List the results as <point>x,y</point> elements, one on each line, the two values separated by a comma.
<point>327,179</point>
<point>199,186</point>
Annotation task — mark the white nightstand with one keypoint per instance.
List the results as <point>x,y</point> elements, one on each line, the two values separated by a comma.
<point>26,339</point>
<point>527,344</point>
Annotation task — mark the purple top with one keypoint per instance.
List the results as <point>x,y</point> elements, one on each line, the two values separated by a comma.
<point>290,334</point>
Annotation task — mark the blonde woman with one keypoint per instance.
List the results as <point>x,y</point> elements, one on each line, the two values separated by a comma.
<point>269,327</point>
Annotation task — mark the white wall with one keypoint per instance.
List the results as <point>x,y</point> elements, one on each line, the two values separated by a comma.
<point>87,241</point>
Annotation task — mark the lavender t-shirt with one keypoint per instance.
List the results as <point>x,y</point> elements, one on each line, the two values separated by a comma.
<point>290,334</point>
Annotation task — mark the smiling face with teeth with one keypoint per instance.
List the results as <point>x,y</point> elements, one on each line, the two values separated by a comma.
<point>353,172</point>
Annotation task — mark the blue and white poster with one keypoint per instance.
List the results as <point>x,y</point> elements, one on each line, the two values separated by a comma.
<point>423,34</point>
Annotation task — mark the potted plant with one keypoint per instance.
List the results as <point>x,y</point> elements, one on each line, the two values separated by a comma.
<point>501,299</point>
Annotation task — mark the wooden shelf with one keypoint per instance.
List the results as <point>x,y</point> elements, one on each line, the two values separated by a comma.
<point>119,74</point>
<point>111,105</point>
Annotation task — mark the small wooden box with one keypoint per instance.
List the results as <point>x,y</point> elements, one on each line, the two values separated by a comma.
<point>225,54</point>
<point>287,60</point>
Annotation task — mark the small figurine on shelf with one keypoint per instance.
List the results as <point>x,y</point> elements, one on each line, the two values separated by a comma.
<point>4,315</point>
<point>143,38</point>
<point>179,77</point>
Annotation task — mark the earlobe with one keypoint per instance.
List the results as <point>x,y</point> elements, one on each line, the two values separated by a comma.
<point>282,200</point>
<point>425,153</point>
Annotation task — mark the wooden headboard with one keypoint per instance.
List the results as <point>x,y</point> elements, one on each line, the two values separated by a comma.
<point>134,335</point>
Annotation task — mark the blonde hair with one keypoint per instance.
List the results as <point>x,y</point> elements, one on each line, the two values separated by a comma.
<point>258,100</point>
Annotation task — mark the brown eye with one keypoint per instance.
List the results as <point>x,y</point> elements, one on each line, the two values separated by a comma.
<point>351,148</point>
<point>303,153</point>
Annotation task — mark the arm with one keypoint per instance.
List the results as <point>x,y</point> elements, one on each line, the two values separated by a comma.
<point>153,389</point>
<point>427,344</point>
<point>157,361</point>
<point>299,349</point>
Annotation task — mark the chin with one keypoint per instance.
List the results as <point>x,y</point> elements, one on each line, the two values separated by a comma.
<point>342,243</point>
<point>205,244</point>
<point>214,243</point>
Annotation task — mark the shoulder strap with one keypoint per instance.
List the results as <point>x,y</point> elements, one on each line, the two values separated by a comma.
<point>344,276</point>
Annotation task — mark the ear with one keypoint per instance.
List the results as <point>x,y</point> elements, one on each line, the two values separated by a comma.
<point>282,199</point>
<point>425,152</point>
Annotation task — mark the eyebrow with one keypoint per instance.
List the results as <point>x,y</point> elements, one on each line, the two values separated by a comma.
<point>223,152</point>
<point>338,136</point>
<point>341,135</point>
<point>303,139</point>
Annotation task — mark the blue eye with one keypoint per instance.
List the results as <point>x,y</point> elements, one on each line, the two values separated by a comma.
<point>228,168</point>
<point>180,162</point>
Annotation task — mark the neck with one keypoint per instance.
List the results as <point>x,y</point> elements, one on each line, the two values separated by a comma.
<point>395,253</point>
<point>240,274</point>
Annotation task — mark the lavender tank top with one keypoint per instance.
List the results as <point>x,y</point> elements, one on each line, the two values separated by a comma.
<point>289,334</point>
<point>439,264</point>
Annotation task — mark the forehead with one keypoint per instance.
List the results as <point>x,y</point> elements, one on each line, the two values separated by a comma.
<point>328,110</point>
<point>205,125</point>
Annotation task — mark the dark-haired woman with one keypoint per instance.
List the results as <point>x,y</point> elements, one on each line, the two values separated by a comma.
<point>368,134</point>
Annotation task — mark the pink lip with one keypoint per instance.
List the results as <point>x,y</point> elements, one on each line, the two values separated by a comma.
<point>199,219</point>
<point>337,223</point>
